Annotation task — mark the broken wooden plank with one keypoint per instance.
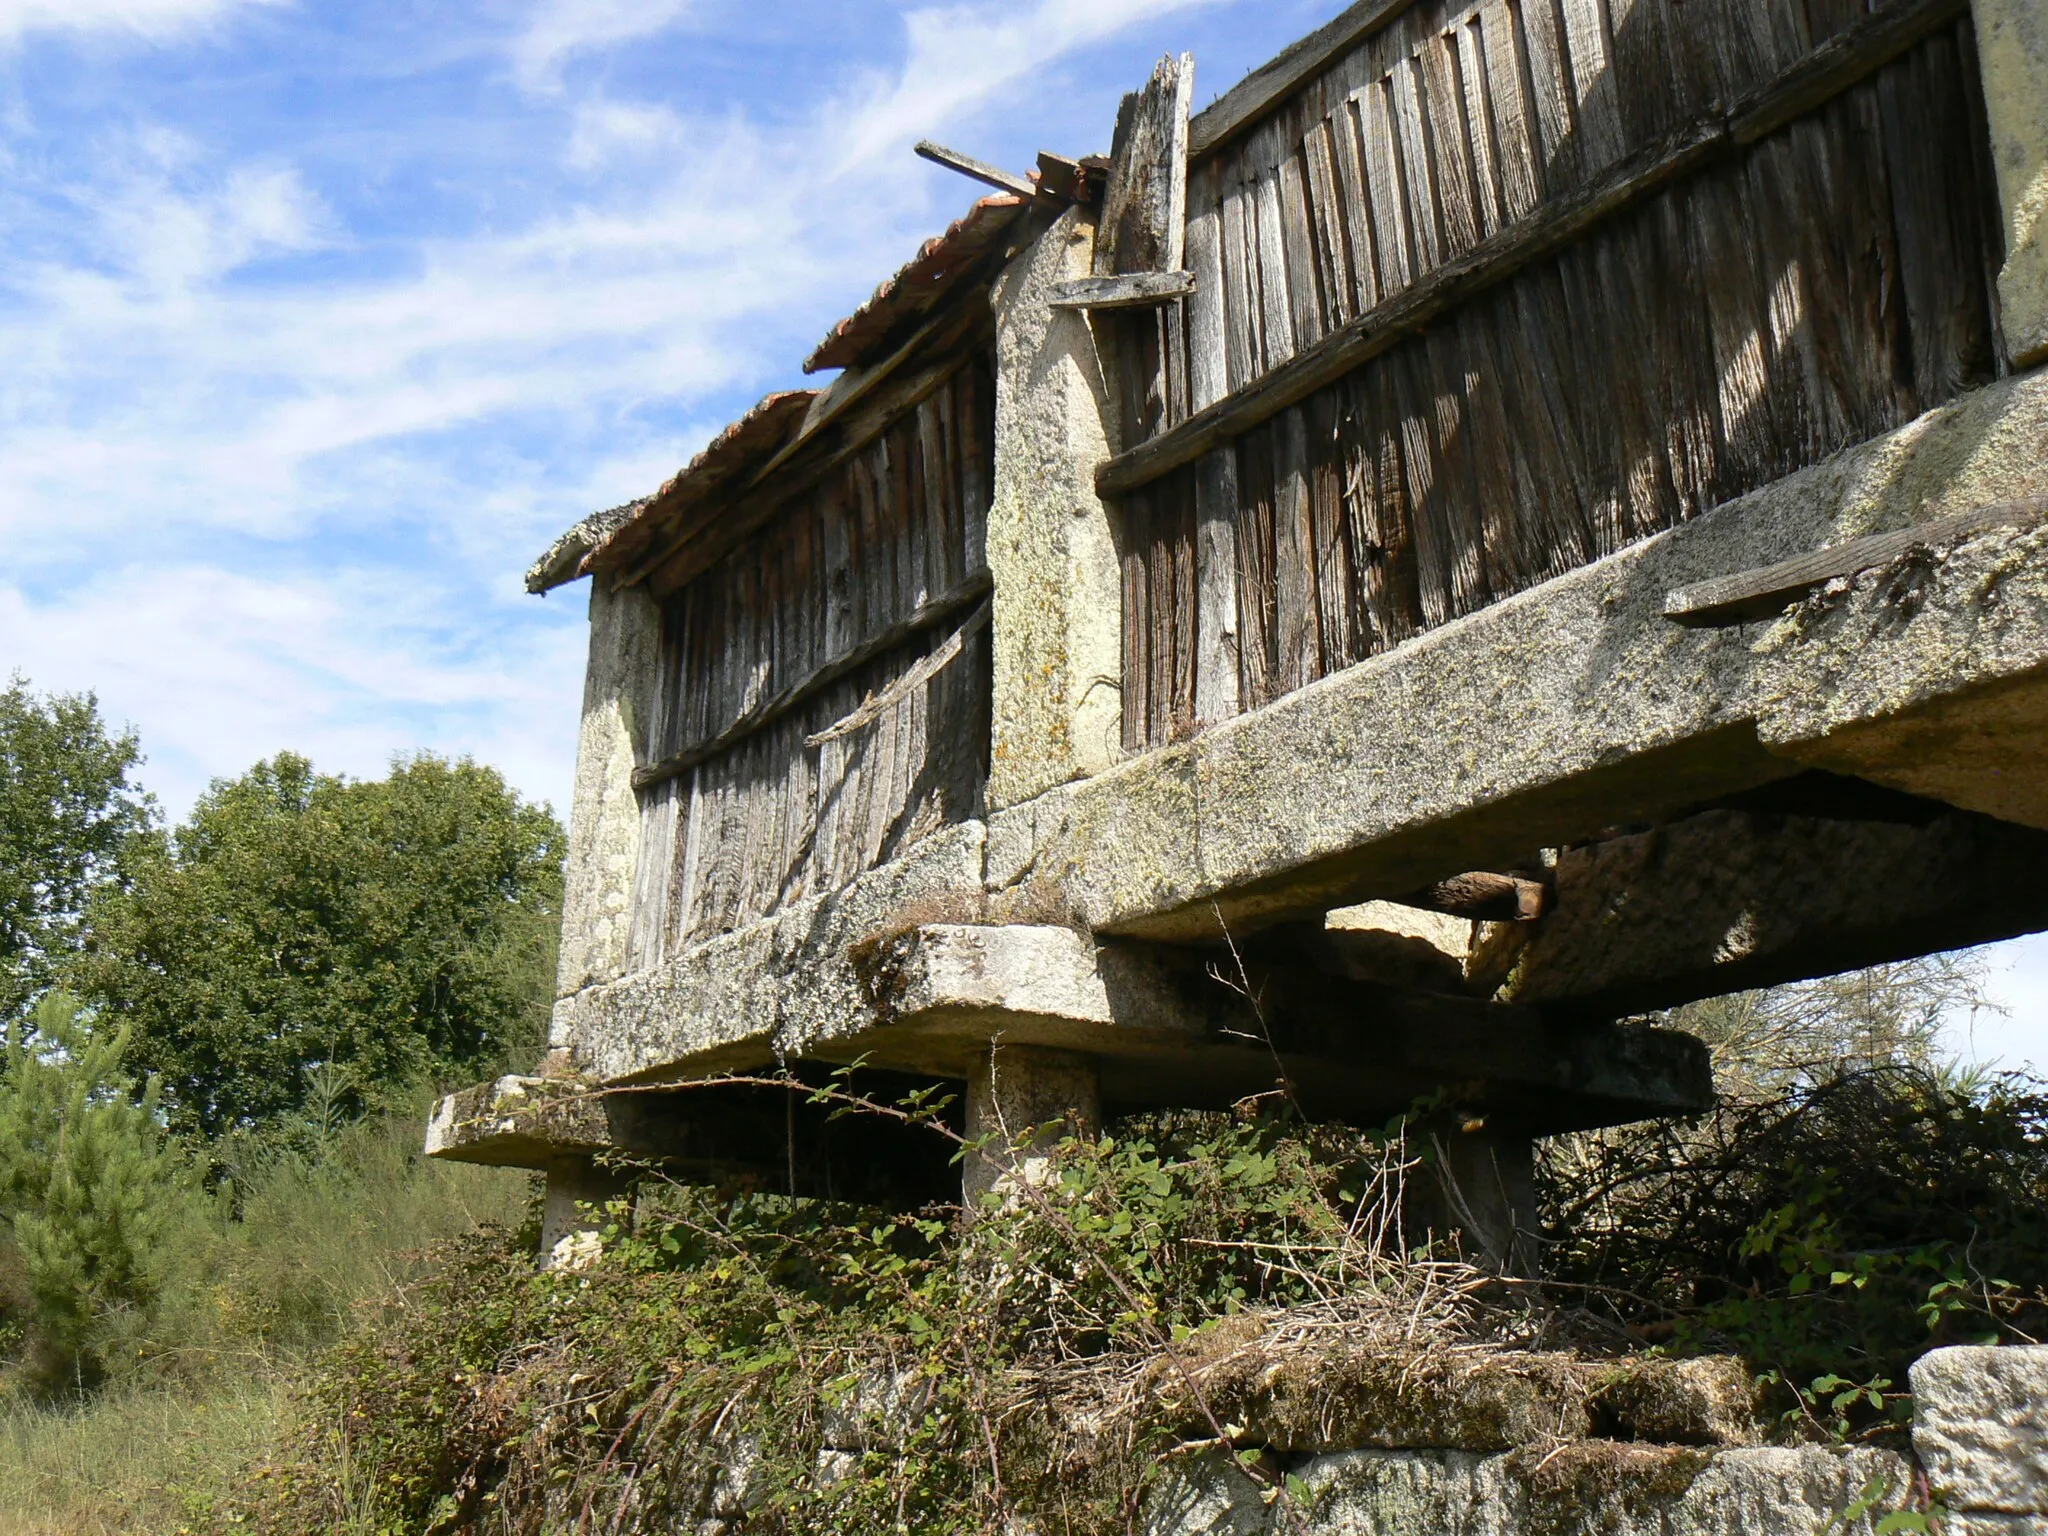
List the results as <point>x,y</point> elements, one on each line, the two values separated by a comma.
<point>1128,290</point>
<point>930,616</point>
<point>1248,102</point>
<point>1144,207</point>
<point>1062,177</point>
<point>1481,896</point>
<point>1761,594</point>
<point>1851,56</point>
<point>978,170</point>
<point>920,672</point>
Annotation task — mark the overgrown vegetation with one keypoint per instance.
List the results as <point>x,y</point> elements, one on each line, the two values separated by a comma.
<point>818,1369</point>
<point>220,1041</point>
<point>218,1243</point>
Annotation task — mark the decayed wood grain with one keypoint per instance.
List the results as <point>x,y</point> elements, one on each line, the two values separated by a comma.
<point>1757,306</point>
<point>921,672</point>
<point>1144,207</point>
<point>840,423</point>
<point>931,615</point>
<point>1129,290</point>
<point>1399,194</point>
<point>1761,594</point>
<point>1412,308</point>
<point>819,616</point>
<point>1241,107</point>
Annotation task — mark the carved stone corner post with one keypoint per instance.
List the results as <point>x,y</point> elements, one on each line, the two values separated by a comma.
<point>2012,51</point>
<point>1023,1100</point>
<point>578,1190</point>
<point>619,693</point>
<point>1058,712</point>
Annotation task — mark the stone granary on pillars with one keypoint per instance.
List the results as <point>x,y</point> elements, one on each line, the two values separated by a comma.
<point>1517,515</point>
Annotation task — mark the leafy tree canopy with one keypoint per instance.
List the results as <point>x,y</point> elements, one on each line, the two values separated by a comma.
<point>68,814</point>
<point>301,931</point>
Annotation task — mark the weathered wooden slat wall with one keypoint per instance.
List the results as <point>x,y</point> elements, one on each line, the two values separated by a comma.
<point>769,819</point>
<point>1825,285</point>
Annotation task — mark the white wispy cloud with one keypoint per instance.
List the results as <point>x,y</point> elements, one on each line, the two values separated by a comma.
<point>562,29</point>
<point>208,362</point>
<point>145,18</point>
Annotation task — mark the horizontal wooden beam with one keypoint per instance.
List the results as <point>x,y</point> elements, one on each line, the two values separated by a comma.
<point>1131,290</point>
<point>1760,594</point>
<point>1838,64</point>
<point>929,615</point>
<point>978,170</point>
<point>1242,106</point>
<point>1483,897</point>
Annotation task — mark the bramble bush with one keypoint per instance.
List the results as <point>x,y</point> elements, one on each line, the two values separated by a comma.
<point>722,1344</point>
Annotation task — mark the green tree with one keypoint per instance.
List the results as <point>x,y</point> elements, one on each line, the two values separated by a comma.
<point>91,1192</point>
<point>308,943</point>
<point>68,815</point>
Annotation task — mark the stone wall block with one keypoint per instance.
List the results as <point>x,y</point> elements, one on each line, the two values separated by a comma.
<point>1980,1426</point>
<point>2012,52</point>
<point>1058,712</point>
<point>619,690</point>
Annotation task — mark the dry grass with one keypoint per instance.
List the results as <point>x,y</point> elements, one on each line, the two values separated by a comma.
<point>144,1461</point>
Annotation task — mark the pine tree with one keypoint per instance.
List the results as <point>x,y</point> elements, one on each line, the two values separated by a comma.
<point>91,1190</point>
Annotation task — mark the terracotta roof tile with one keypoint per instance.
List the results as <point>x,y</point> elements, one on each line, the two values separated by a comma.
<point>938,264</point>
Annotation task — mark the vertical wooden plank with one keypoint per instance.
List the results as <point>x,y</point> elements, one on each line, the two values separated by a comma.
<point>1417,174</point>
<point>1137,626</point>
<point>1144,204</point>
<point>1332,241</point>
<point>1653,92</point>
<point>1596,109</point>
<point>1388,197</point>
<point>1216,599</point>
<point>940,538</point>
<point>1355,200</point>
<point>1215,658</point>
<point>1551,93</point>
<point>1255,551</point>
<point>1276,323</point>
<point>1306,303</point>
<point>1208,350</point>
<point>1334,581</point>
<point>1476,113</point>
<point>1450,144</point>
<point>1240,287</point>
<point>1515,134</point>
<point>1394,511</point>
<point>1297,639</point>
<point>1937,230</point>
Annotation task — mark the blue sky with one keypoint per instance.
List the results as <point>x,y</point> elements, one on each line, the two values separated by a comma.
<point>320,319</point>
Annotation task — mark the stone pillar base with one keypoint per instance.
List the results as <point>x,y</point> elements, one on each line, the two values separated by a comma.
<point>574,1212</point>
<point>1482,1184</point>
<point>1023,1099</point>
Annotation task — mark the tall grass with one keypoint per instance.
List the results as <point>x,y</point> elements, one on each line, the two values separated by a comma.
<point>309,1240</point>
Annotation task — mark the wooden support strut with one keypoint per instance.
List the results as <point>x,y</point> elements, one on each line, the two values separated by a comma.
<point>978,170</point>
<point>1849,57</point>
<point>928,616</point>
<point>1761,594</point>
<point>1128,290</point>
